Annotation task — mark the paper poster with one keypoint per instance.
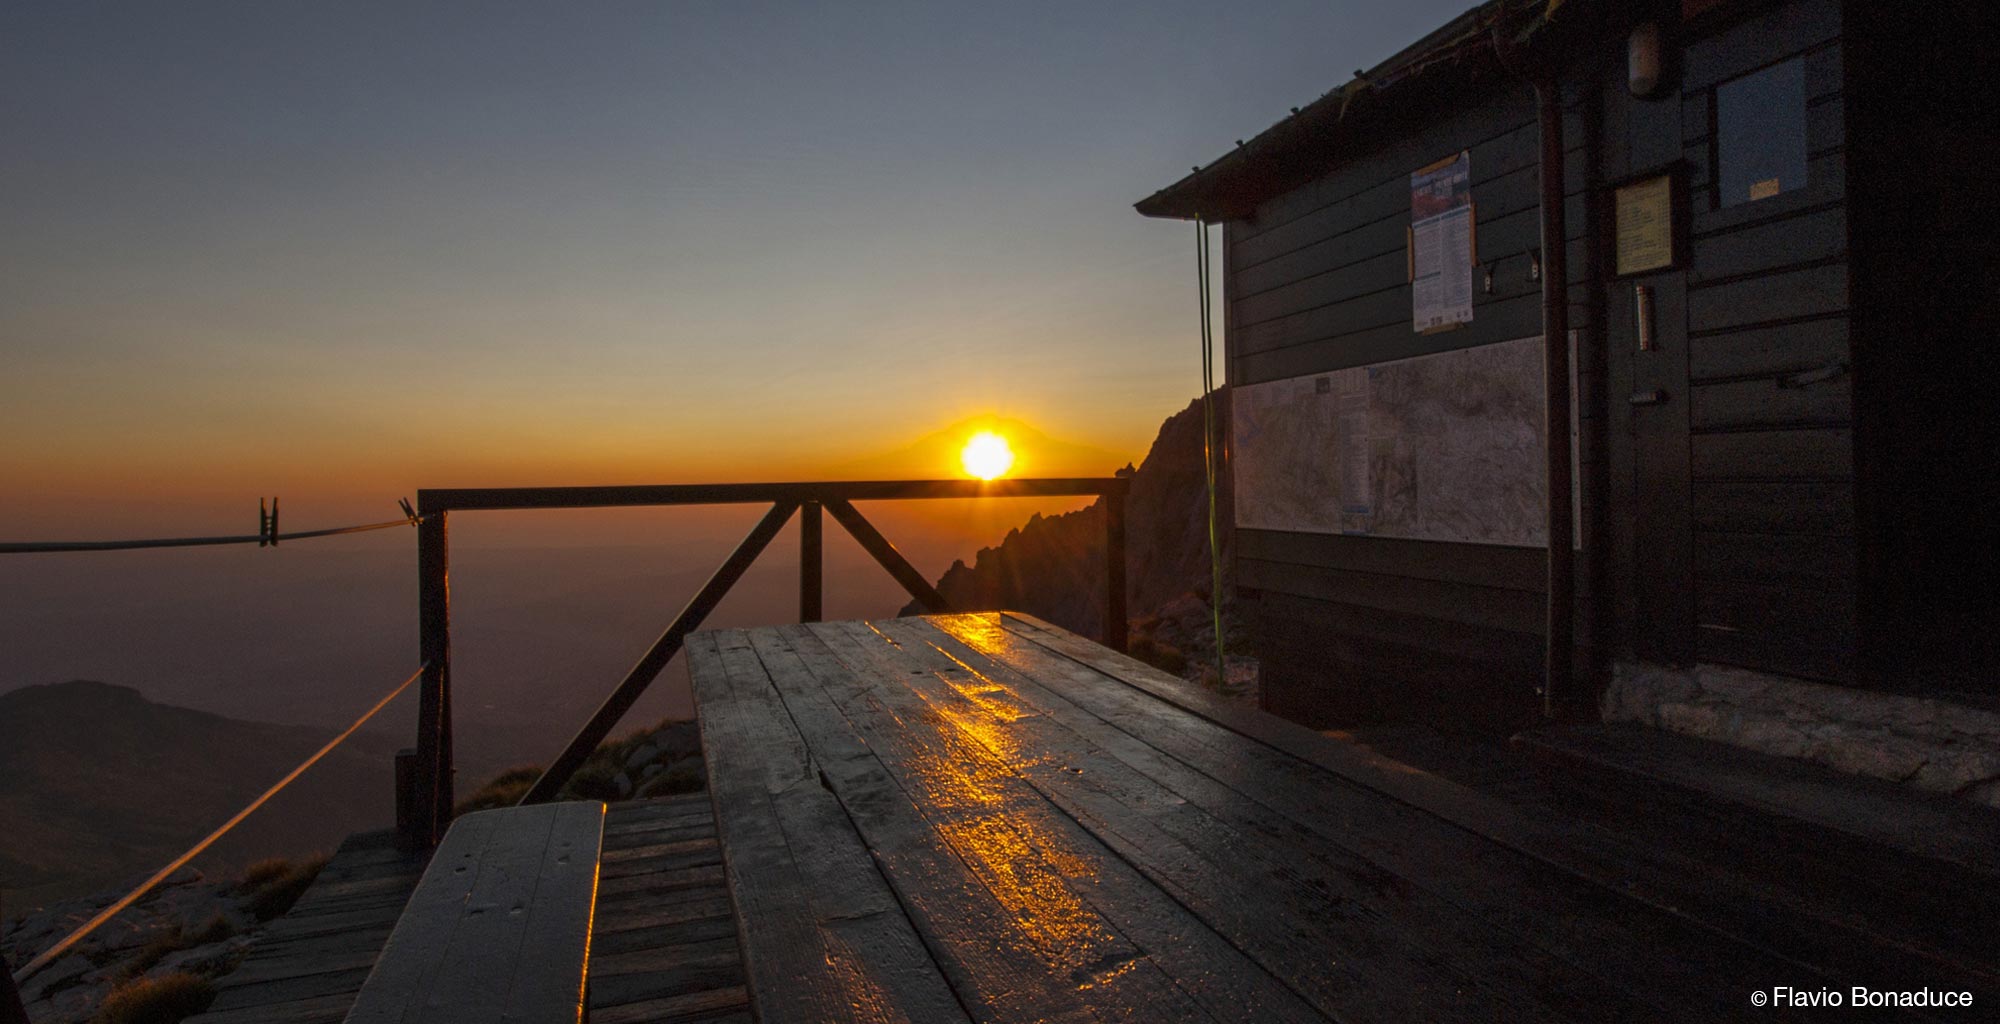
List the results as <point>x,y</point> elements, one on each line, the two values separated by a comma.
<point>1645,217</point>
<point>1441,244</point>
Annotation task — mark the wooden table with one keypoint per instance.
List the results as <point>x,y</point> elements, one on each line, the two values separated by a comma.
<point>985,817</point>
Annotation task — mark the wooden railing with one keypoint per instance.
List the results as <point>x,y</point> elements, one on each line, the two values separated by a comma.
<point>424,774</point>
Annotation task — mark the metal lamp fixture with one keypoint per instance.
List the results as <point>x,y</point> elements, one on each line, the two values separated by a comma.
<point>1645,60</point>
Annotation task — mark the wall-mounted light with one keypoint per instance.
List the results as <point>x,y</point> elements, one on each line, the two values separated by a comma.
<point>1534,265</point>
<point>1488,268</point>
<point>1645,60</point>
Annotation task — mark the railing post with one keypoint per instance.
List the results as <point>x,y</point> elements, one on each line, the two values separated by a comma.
<point>432,791</point>
<point>406,799</point>
<point>1114,567</point>
<point>811,563</point>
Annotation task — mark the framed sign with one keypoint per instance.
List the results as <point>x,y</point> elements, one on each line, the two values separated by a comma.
<point>1649,230</point>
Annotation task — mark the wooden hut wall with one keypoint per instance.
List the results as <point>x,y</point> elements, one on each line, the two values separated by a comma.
<point>1360,628</point>
<point>1731,536</point>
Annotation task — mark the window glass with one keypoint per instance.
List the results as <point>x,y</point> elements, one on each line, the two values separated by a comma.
<point>1760,134</point>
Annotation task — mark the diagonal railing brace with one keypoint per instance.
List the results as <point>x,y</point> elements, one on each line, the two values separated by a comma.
<point>656,658</point>
<point>874,543</point>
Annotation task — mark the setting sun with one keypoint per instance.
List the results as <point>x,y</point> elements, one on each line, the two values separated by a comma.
<point>987,455</point>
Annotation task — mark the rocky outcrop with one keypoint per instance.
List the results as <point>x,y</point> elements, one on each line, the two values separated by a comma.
<point>187,925</point>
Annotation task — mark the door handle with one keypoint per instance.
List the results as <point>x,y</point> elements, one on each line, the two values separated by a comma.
<point>1653,397</point>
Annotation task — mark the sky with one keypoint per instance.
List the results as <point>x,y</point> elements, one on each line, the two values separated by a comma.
<point>342,251</point>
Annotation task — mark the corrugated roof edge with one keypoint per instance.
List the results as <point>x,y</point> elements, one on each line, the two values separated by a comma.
<point>1456,54</point>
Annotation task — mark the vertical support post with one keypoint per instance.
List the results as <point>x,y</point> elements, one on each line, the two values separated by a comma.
<point>431,803</point>
<point>1114,567</point>
<point>406,798</point>
<point>1560,652</point>
<point>811,563</point>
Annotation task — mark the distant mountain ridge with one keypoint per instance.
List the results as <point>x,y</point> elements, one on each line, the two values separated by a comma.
<point>1053,566</point>
<point>99,784</point>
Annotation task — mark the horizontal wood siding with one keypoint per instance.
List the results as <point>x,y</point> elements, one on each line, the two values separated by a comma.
<point>1356,628</point>
<point>1771,411</point>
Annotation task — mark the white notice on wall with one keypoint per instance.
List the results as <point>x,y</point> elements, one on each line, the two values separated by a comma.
<point>1441,257</point>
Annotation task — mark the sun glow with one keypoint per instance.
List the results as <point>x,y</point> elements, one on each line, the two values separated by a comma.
<point>987,456</point>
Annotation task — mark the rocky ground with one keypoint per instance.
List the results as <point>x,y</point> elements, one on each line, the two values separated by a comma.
<point>189,925</point>
<point>193,929</point>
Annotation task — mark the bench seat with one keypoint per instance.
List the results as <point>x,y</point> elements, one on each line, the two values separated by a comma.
<point>499,927</point>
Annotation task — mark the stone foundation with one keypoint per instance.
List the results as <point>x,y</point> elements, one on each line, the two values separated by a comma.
<point>1929,744</point>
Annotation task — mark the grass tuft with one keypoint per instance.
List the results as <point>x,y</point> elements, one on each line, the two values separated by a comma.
<point>167,999</point>
<point>276,893</point>
<point>263,871</point>
<point>685,776</point>
<point>503,790</point>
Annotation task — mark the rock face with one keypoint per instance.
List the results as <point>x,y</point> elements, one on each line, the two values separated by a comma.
<point>1053,566</point>
<point>1929,744</point>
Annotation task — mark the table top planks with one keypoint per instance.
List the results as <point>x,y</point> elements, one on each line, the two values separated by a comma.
<point>1031,827</point>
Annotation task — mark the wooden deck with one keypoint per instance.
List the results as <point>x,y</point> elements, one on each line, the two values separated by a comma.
<point>983,817</point>
<point>663,945</point>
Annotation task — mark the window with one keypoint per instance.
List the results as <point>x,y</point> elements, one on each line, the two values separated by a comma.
<point>1760,134</point>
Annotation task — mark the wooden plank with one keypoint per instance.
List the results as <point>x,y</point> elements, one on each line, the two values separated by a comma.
<point>1409,953</point>
<point>822,937</point>
<point>680,980</point>
<point>693,844</point>
<point>717,924</point>
<point>1388,337</point>
<point>1774,506</point>
<point>648,913</point>
<point>1806,561</point>
<point>1770,351</point>
<point>1747,920</point>
<point>1774,35</point>
<point>1482,565</point>
<point>1654,958</point>
<point>1788,295</point>
<point>499,923</point>
<point>1499,130</point>
<point>340,984</point>
<point>697,876</point>
<point>706,1005</point>
<point>713,952</point>
<point>1821,453</point>
<point>1812,235</point>
<point>1826,182</point>
<point>327,1009</point>
<point>1771,402</point>
<point>1005,922</point>
<point>1515,611</point>
<point>1936,827</point>
<point>1821,658</point>
<point>1375,290</point>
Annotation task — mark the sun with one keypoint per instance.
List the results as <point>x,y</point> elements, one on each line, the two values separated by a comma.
<point>987,456</point>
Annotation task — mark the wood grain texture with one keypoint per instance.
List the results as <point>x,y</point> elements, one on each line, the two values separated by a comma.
<point>823,937</point>
<point>499,927</point>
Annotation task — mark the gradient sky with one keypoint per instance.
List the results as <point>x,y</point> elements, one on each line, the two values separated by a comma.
<point>339,251</point>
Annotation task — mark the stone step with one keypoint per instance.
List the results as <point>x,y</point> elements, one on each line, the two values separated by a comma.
<point>1899,817</point>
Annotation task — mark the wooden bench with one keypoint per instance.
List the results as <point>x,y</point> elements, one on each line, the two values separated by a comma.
<point>499,927</point>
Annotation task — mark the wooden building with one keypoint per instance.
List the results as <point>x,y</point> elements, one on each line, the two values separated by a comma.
<point>1781,292</point>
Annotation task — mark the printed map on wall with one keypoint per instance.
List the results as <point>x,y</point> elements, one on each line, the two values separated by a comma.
<point>1439,447</point>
